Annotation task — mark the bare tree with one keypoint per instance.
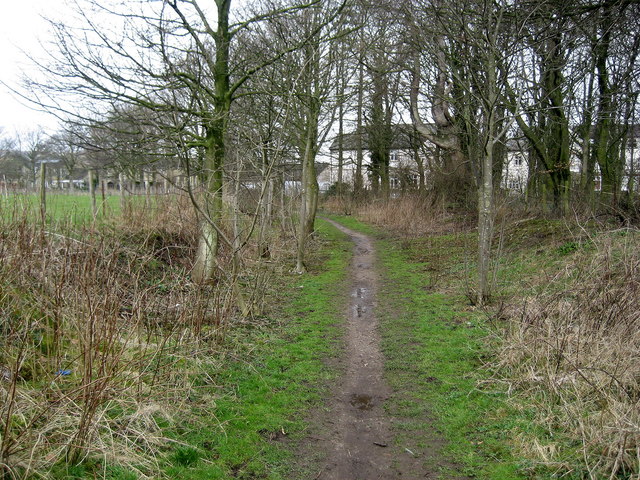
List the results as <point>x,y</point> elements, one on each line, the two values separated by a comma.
<point>472,57</point>
<point>615,51</point>
<point>314,88</point>
<point>435,63</point>
<point>67,147</point>
<point>171,59</point>
<point>34,147</point>
<point>11,168</point>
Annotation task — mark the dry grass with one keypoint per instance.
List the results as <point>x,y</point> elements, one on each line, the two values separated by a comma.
<point>408,215</point>
<point>574,356</point>
<point>101,334</point>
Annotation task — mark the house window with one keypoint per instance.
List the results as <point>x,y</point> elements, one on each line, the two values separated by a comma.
<point>517,161</point>
<point>513,184</point>
<point>393,157</point>
<point>394,182</point>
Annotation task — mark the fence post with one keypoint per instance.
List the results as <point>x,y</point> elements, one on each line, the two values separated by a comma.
<point>43,195</point>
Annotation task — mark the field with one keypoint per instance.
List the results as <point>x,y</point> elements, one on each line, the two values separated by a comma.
<point>73,208</point>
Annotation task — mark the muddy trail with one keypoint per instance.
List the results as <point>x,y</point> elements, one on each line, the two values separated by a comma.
<point>352,436</point>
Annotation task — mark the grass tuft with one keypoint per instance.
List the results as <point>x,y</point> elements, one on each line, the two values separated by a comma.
<point>185,456</point>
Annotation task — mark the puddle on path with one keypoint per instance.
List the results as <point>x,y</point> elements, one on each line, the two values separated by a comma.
<point>360,310</point>
<point>360,292</point>
<point>361,402</point>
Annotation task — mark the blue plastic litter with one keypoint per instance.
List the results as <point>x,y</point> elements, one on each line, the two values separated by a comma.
<point>63,373</point>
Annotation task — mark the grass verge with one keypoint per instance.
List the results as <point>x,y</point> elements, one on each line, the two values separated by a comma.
<point>272,374</point>
<point>113,365</point>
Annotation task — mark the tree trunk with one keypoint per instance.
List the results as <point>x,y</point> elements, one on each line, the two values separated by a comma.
<point>104,198</point>
<point>310,189</point>
<point>264,207</point>
<point>147,189</point>
<point>485,188</point>
<point>587,164</point>
<point>121,183</point>
<point>380,132</point>
<point>302,224</point>
<point>214,144</point>
<point>415,143</point>
<point>205,262</point>
<point>235,256</point>
<point>485,230</point>
<point>357,181</point>
<point>558,129</point>
<point>283,202</point>
<point>340,143</point>
<point>631,182</point>
<point>606,142</point>
<point>451,180</point>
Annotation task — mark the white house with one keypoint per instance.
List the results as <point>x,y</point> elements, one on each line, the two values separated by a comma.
<point>515,173</point>
<point>408,151</point>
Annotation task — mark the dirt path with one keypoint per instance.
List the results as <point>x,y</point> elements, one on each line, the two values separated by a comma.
<point>354,439</point>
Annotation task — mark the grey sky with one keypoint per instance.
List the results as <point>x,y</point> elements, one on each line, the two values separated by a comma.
<point>21,30</point>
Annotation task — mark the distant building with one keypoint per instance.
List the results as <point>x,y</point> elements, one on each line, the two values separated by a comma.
<point>15,170</point>
<point>407,157</point>
<point>516,170</point>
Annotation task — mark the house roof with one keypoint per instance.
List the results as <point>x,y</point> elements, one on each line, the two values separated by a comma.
<point>49,161</point>
<point>293,171</point>
<point>518,144</point>
<point>403,137</point>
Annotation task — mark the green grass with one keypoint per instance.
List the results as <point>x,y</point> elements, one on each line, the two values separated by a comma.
<point>272,375</point>
<point>73,208</point>
<point>434,345</point>
<point>249,399</point>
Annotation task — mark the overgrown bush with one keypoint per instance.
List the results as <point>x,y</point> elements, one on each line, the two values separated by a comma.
<point>102,339</point>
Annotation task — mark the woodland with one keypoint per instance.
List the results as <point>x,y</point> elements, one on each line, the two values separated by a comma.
<point>166,294</point>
